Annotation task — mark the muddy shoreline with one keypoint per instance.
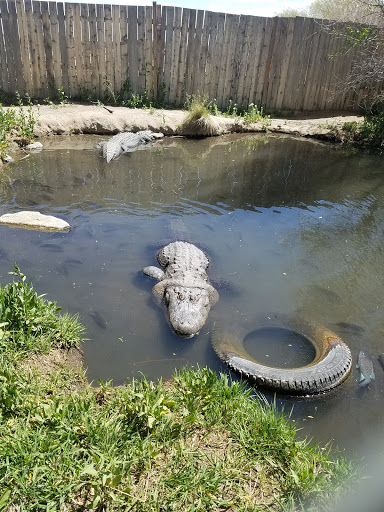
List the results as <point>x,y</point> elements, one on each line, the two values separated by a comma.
<point>88,119</point>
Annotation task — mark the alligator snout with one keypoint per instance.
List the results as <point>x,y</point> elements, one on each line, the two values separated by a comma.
<point>188,309</point>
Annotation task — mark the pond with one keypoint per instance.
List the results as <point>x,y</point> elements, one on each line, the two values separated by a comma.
<point>291,226</point>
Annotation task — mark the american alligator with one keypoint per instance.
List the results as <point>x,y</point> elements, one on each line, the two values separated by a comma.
<point>331,366</point>
<point>184,285</point>
<point>126,142</point>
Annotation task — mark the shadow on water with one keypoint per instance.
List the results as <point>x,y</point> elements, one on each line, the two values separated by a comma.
<point>291,226</point>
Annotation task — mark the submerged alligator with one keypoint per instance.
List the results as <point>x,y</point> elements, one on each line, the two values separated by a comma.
<point>184,285</point>
<point>331,366</point>
<point>126,142</point>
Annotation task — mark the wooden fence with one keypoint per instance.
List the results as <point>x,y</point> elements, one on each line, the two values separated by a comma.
<point>168,53</point>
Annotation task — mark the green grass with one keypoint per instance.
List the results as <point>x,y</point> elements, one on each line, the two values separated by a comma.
<point>29,323</point>
<point>198,443</point>
<point>16,123</point>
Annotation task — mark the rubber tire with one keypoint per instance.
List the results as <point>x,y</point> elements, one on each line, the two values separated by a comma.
<point>331,366</point>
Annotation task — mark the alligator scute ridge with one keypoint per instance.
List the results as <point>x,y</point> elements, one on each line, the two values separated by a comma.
<point>126,142</point>
<point>331,366</point>
<point>184,283</point>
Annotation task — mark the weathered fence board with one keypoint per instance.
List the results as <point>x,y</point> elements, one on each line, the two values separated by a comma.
<point>169,53</point>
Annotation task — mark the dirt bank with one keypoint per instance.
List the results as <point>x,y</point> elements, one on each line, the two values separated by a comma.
<point>73,119</point>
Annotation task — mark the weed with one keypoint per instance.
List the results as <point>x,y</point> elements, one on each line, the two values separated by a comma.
<point>27,321</point>
<point>18,123</point>
<point>61,96</point>
<point>85,96</point>
<point>26,121</point>
<point>197,106</point>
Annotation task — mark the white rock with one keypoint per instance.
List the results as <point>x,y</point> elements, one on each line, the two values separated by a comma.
<point>34,220</point>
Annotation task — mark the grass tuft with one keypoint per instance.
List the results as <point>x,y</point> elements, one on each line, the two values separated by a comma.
<point>29,323</point>
<point>198,122</point>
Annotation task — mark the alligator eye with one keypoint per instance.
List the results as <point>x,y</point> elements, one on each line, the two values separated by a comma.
<point>180,296</point>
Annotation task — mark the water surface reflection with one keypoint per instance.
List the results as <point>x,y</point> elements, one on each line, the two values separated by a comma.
<point>291,226</point>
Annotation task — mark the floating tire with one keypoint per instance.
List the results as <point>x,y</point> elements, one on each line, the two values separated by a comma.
<point>330,367</point>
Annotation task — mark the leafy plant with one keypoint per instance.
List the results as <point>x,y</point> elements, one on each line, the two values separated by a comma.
<point>61,96</point>
<point>27,320</point>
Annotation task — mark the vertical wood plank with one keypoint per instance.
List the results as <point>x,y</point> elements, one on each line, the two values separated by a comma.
<point>4,76</point>
<point>180,88</point>
<point>18,61</point>
<point>108,42</point>
<point>217,49</point>
<point>260,30</point>
<point>55,41</point>
<point>189,63</point>
<point>148,50</point>
<point>229,23</point>
<point>252,36</point>
<point>230,74</point>
<point>93,50</point>
<point>197,56</point>
<point>48,48</point>
<point>294,64</point>
<point>70,42</point>
<point>240,57</point>
<point>333,65</point>
<point>244,59</point>
<point>43,90</point>
<point>132,49</point>
<point>141,66</point>
<point>285,62</point>
<point>124,49</point>
<point>203,54</point>
<point>100,25</point>
<point>10,44</point>
<point>24,47</point>
<point>176,40</point>
<point>116,49</point>
<point>169,13</point>
<point>269,46</point>
<point>86,49</point>
<point>156,49</point>
<point>317,72</point>
<point>280,63</point>
<point>79,51</point>
<point>309,30</point>
<point>63,47</point>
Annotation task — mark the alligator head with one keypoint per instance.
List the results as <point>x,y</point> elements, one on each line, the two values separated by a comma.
<point>188,308</point>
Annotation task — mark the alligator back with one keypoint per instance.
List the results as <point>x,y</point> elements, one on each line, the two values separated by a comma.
<point>126,142</point>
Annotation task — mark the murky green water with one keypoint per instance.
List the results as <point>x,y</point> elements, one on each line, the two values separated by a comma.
<point>291,226</point>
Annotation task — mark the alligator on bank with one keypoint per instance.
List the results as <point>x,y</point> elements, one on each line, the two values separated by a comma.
<point>126,142</point>
<point>185,286</point>
<point>330,367</point>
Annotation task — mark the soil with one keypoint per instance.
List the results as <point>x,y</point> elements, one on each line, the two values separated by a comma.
<point>75,119</point>
<point>59,358</point>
